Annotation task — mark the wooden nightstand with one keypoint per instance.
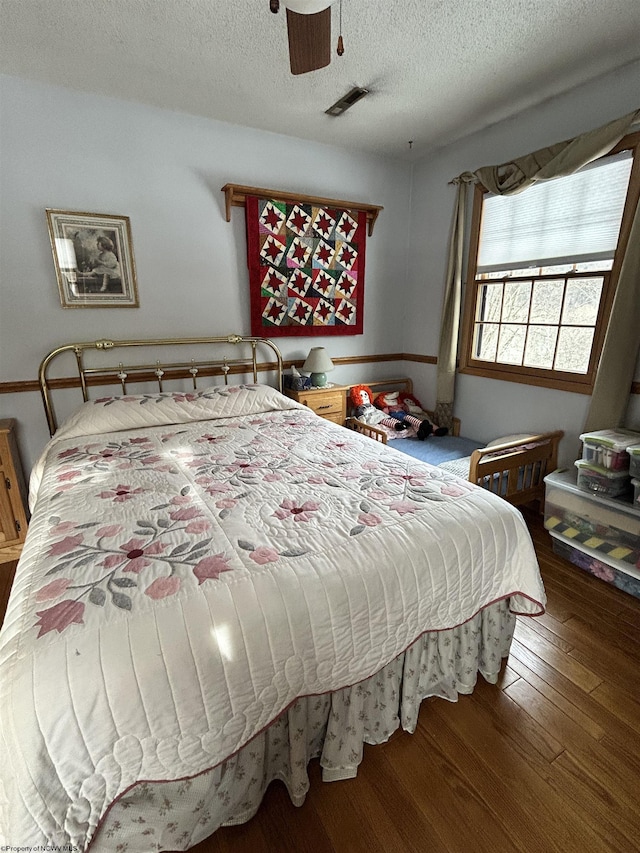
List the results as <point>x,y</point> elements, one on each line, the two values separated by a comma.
<point>13,495</point>
<point>330,403</point>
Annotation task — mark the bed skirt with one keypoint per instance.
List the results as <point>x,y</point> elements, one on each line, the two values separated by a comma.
<point>157,816</point>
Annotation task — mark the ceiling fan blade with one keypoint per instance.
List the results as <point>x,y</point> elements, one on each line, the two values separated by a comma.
<point>309,40</point>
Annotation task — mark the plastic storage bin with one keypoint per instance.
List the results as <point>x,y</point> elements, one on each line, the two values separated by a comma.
<point>613,520</point>
<point>608,448</point>
<point>636,492</point>
<point>634,460</point>
<point>600,568</point>
<point>597,533</point>
<point>601,480</point>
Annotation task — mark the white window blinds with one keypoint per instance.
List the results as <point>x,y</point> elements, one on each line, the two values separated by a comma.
<point>575,218</point>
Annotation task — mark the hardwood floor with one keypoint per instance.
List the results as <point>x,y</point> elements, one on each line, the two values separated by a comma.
<point>547,760</point>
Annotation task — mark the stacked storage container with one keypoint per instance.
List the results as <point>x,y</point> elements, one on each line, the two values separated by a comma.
<point>592,511</point>
<point>599,534</point>
<point>604,467</point>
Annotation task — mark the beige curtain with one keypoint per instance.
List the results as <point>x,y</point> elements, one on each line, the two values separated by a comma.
<point>557,160</point>
<point>621,345</point>
<point>448,349</point>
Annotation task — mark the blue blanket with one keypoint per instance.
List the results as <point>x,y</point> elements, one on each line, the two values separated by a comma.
<point>437,449</point>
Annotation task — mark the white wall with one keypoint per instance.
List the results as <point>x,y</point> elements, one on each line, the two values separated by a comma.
<point>164,170</point>
<point>489,408</point>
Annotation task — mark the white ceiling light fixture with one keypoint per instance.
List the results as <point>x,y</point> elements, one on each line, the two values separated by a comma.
<point>307,7</point>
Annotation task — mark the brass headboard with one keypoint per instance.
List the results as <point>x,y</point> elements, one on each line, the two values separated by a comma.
<point>158,371</point>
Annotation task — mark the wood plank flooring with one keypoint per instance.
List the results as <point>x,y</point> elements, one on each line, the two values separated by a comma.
<point>547,760</point>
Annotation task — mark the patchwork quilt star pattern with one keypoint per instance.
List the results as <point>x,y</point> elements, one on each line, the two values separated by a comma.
<point>306,268</point>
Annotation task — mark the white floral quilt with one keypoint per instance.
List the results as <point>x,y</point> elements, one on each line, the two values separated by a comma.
<point>195,563</point>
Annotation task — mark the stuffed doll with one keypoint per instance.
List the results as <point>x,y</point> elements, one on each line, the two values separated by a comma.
<point>362,399</point>
<point>414,407</point>
<point>406,408</point>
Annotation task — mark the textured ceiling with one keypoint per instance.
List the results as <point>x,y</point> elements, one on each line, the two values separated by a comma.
<point>436,69</point>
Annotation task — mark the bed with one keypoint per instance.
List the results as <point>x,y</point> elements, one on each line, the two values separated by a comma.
<point>513,467</point>
<point>218,586</point>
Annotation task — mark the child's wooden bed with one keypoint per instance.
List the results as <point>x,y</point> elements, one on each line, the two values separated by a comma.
<point>514,468</point>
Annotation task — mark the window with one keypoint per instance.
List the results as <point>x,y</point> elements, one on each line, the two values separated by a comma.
<point>542,272</point>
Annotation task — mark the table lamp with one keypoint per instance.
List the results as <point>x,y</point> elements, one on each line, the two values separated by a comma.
<point>318,364</point>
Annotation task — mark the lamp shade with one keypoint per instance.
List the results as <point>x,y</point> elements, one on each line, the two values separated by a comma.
<point>318,364</point>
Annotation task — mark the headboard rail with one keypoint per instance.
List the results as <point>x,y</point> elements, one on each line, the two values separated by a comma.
<point>160,370</point>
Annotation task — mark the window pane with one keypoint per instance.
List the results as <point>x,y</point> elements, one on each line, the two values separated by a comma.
<point>540,348</point>
<point>511,343</point>
<point>515,308</point>
<point>547,301</point>
<point>561,269</point>
<point>573,218</point>
<point>486,341</point>
<point>489,302</point>
<point>594,266</point>
<point>582,301</point>
<point>574,349</point>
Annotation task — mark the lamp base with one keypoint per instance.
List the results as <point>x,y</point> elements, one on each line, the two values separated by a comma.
<point>318,380</point>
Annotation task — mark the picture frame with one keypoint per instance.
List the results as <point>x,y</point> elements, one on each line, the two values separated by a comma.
<point>93,259</point>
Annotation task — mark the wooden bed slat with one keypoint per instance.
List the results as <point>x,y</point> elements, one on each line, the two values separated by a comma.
<point>366,429</point>
<point>525,467</point>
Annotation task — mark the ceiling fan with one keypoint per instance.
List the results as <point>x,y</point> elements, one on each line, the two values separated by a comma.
<point>309,31</point>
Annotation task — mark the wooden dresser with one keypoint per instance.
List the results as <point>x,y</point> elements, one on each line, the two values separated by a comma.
<point>330,403</point>
<point>13,495</point>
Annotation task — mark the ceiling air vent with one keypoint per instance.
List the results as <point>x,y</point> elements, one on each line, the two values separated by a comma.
<point>347,101</point>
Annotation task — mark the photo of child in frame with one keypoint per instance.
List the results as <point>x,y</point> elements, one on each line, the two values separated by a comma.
<point>93,259</point>
<point>98,264</point>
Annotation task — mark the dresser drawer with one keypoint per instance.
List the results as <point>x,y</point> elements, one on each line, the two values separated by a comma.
<point>336,419</point>
<point>329,403</point>
<point>326,404</point>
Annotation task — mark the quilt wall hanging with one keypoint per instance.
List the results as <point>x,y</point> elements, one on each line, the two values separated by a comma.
<point>306,259</point>
<point>306,268</point>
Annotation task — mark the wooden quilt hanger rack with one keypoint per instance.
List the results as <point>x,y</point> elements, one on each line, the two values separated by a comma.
<point>236,195</point>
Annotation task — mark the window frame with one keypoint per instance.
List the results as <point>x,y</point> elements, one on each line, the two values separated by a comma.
<point>562,380</point>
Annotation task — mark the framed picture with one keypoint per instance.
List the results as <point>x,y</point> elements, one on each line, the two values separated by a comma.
<point>93,257</point>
